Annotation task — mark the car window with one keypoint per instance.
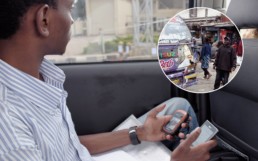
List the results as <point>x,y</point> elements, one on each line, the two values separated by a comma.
<point>251,33</point>
<point>122,30</point>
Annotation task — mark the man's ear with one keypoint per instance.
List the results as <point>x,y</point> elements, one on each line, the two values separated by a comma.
<point>42,20</point>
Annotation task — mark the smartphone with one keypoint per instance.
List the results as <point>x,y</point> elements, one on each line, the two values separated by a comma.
<point>174,125</point>
<point>208,131</point>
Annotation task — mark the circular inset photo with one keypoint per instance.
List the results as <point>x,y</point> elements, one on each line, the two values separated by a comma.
<point>200,50</point>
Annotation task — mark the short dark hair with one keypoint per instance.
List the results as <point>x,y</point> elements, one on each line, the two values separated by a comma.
<point>219,44</point>
<point>11,12</point>
<point>226,38</point>
<point>207,39</point>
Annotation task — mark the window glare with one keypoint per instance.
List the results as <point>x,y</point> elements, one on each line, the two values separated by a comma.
<point>119,30</point>
<point>251,33</point>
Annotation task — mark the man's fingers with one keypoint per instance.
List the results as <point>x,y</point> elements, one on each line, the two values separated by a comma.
<point>169,137</point>
<point>156,110</point>
<point>181,135</point>
<point>184,125</point>
<point>210,144</point>
<point>192,137</point>
<point>167,118</point>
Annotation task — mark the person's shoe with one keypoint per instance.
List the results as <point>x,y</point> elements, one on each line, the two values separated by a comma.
<point>209,76</point>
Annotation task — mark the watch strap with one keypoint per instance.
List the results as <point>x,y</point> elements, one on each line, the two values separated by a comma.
<point>133,135</point>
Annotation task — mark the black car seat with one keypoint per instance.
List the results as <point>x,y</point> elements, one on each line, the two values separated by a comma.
<point>234,109</point>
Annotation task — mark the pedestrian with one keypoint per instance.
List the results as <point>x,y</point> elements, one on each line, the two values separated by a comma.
<point>225,63</point>
<point>219,44</point>
<point>205,58</point>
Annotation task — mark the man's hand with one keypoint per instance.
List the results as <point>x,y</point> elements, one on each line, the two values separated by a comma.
<point>214,67</point>
<point>233,69</point>
<point>152,130</point>
<point>184,152</point>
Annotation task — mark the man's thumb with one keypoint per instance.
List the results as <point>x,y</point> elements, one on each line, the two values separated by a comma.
<point>192,137</point>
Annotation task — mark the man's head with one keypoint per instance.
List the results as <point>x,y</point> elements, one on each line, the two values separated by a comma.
<point>226,40</point>
<point>12,11</point>
<point>46,21</point>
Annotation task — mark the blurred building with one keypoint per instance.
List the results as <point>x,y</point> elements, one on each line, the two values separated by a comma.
<point>220,5</point>
<point>116,16</point>
<point>108,16</point>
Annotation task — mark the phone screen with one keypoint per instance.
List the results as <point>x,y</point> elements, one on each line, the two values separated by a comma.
<point>208,131</point>
<point>172,123</point>
<point>173,126</point>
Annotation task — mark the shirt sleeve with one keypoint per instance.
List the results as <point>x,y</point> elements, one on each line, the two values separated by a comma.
<point>22,154</point>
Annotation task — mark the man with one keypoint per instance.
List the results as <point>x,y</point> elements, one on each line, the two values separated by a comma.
<point>225,63</point>
<point>205,58</point>
<point>35,123</point>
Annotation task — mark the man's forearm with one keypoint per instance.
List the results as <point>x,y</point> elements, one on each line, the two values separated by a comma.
<point>98,143</point>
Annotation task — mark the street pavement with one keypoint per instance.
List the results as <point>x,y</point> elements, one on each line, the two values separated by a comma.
<point>207,85</point>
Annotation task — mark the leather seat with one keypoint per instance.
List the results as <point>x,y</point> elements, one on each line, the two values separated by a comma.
<point>234,109</point>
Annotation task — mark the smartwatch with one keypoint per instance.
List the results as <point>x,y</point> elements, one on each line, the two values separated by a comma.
<point>133,136</point>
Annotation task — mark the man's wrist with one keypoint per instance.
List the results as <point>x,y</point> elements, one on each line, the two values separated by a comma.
<point>141,133</point>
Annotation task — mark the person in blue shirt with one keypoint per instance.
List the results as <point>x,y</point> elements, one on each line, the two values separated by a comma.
<point>35,123</point>
<point>205,58</point>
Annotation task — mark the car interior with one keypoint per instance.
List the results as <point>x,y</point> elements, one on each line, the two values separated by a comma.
<point>102,95</point>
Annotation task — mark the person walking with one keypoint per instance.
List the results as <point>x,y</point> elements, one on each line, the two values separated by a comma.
<point>225,62</point>
<point>205,58</point>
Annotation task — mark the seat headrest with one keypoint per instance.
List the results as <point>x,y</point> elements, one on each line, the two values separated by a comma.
<point>243,13</point>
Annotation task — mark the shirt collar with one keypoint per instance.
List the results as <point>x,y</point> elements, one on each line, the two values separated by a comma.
<point>43,94</point>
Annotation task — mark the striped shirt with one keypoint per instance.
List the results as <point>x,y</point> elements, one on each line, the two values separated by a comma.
<point>35,123</point>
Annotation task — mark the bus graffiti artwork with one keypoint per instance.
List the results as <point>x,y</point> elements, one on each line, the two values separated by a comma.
<point>175,55</point>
